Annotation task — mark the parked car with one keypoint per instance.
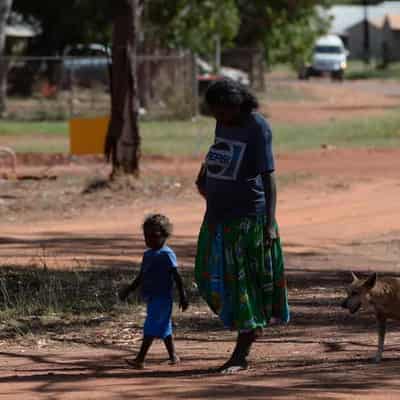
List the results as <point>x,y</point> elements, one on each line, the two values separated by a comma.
<point>329,57</point>
<point>86,65</point>
<point>206,75</point>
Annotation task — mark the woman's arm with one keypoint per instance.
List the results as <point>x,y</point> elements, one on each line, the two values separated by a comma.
<point>201,180</point>
<point>269,184</point>
<point>183,302</point>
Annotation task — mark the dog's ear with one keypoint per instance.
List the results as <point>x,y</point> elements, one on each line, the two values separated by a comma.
<point>354,276</point>
<point>370,282</point>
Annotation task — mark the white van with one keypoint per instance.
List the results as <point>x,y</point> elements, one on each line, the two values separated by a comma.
<point>329,57</point>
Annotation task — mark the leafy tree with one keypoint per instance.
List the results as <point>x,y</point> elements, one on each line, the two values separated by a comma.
<point>66,22</point>
<point>191,24</point>
<point>173,23</point>
<point>285,29</point>
<point>292,42</point>
<point>277,25</point>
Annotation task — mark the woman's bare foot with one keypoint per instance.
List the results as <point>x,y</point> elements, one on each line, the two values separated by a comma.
<point>174,360</point>
<point>136,364</point>
<point>233,366</point>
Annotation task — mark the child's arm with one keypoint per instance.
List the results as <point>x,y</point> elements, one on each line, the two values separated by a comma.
<point>183,302</point>
<point>125,291</point>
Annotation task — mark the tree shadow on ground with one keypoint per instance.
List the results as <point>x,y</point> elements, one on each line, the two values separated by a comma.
<point>40,300</point>
<point>294,379</point>
<point>98,250</point>
<point>314,294</point>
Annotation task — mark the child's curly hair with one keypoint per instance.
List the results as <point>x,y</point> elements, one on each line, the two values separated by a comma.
<point>227,92</point>
<point>158,221</point>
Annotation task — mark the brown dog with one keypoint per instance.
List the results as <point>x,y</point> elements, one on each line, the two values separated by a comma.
<point>382,295</point>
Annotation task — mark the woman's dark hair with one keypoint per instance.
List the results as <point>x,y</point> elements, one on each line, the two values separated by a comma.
<point>160,222</point>
<point>227,92</point>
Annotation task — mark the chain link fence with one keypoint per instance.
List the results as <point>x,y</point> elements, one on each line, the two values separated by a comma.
<point>170,83</point>
<point>56,88</point>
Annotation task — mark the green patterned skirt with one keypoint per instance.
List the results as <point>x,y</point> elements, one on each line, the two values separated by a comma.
<point>241,280</point>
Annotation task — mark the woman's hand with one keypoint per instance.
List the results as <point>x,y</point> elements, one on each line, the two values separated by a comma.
<point>270,235</point>
<point>270,232</point>
<point>183,304</point>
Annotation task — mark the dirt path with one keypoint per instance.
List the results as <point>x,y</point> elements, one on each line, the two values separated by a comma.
<point>335,207</point>
<point>341,215</point>
<point>338,210</point>
<point>98,374</point>
<point>328,101</point>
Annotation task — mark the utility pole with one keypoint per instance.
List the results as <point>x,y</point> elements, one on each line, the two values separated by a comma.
<point>217,53</point>
<point>367,50</point>
<point>5,8</point>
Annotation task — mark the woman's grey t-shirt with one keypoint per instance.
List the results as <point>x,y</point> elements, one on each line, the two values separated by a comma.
<point>234,163</point>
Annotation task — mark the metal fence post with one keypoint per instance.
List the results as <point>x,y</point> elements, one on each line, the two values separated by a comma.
<point>195,85</point>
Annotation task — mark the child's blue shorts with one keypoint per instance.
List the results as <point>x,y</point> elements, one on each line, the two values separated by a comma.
<point>158,321</point>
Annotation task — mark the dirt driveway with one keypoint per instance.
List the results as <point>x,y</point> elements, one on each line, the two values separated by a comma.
<point>338,210</point>
<point>321,100</point>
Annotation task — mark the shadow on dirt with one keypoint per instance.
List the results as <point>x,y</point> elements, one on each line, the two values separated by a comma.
<point>316,380</point>
<point>27,294</point>
<point>97,250</point>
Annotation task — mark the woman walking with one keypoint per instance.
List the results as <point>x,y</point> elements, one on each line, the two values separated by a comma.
<point>239,264</point>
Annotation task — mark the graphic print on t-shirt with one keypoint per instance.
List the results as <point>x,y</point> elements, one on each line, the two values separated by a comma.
<point>224,159</point>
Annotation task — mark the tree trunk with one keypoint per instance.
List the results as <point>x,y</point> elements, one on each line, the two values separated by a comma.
<point>122,145</point>
<point>5,7</point>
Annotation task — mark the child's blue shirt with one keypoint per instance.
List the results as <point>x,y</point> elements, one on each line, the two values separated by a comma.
<point>157,270</point>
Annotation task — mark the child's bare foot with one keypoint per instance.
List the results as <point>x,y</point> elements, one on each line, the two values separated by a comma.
<point>136,364</point>
<point>174,360</point>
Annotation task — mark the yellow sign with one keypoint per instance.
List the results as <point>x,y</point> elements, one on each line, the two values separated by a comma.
<point>87,135</point>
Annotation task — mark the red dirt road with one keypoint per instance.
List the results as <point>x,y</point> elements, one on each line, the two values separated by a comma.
<point>342,215</point>
<point>338,210</point>
<point>342,199</point>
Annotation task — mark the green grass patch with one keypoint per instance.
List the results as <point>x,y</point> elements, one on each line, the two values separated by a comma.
<point>177,137</point>
<point>360,70</point>
<point>368,132</point>
<point>36,137</point>
<point>191,138</point>
<point>51,128</point>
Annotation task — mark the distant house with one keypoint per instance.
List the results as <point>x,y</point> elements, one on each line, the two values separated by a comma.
<point>20,31</point>
<point>355,39</point>
<point>17,36</point>
<point>347,21</point>
<point>391,37</point>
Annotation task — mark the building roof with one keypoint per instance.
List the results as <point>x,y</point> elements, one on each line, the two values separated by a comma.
<point>376,23</point>
<point>344,17</point>
<point>20,31</point>
<point>393,21</point>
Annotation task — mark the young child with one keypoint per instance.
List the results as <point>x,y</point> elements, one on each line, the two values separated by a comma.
<point>156,277</point>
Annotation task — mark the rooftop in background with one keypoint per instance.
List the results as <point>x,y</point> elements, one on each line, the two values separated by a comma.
<point>20,31</point>
<point>394,22</point>
<point>344,17</point>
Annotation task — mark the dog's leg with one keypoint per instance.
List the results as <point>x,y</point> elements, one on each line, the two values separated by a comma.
<point>381,338</point>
